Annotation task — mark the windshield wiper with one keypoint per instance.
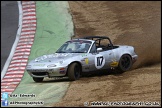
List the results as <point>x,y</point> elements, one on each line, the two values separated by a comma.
<point>61,52</point>
<point>79,52</point>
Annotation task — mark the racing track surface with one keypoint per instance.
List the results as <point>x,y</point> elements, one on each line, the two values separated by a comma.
<point>52,30</point>
<point>9,26</point>
<point>131,23</point>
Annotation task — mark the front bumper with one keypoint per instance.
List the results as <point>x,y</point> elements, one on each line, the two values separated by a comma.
<point>52,72</point>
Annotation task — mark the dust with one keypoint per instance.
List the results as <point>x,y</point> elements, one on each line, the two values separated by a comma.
<point>126,23</point>
<point>135,23</point>
<point>143,31</point>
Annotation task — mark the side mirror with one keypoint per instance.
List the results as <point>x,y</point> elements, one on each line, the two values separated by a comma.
<point>99,49</point>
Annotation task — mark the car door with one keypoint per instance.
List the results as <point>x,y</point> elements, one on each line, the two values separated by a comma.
<point>99,60</point>
<point>108,55</point>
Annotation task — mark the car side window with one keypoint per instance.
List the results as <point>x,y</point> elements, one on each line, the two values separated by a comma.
<point>93,49</point>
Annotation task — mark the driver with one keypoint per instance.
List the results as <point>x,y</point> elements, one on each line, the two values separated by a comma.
<point>86,47</point>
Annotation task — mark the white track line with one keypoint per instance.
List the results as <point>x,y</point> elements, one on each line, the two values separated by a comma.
<point>15,65</point>
<point>15,43</point>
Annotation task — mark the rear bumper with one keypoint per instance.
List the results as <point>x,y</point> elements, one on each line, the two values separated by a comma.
<point>134,58</point>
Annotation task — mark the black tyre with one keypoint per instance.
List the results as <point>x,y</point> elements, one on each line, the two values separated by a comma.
<point>125,63</point>
<point>74,71</point>
<point>37,79</point>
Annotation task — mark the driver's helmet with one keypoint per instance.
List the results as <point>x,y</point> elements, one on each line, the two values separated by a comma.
<point>82,46</point>
<point>77,46</point>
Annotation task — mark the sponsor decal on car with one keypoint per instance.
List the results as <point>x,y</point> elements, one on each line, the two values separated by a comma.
<point>62,70</point>
<point>86,60</point>
<point>83,55</point>
<point>41,65</point>
<point>99,61</point>
<point>114,63</point>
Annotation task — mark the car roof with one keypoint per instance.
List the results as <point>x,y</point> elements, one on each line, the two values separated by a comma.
<point>92,37</point>
<point>96,38</point>
<point>84,39</point>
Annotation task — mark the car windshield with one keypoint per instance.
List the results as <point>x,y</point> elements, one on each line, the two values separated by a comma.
<point>75,46</point>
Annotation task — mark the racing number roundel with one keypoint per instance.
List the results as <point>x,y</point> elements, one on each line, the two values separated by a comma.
<point>99,61</point>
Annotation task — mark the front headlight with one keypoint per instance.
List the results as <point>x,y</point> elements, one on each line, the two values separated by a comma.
<point>41,58</point>
<point>52,65</point>
<point>37,59</point>
<point>28,66</point>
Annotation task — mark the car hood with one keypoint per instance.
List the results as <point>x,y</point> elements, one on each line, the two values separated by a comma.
<point>57,57</point>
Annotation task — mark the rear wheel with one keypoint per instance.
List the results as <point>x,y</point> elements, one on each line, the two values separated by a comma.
<point>37,79</point>
<point>125,63</point>
<point>74,71</point>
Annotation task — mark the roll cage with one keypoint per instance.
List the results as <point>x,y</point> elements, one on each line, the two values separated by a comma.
<point>98,42</point>
<point>98,39</point>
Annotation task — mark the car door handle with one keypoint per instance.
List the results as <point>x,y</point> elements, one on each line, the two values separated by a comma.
<point>110,53</point>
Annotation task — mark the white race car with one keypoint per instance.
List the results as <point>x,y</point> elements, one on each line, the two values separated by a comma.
<point>82,55</point>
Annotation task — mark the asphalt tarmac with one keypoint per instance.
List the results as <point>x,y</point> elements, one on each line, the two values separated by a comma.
<point>9,27</point>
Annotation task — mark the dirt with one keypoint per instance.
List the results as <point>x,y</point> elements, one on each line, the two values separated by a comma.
<point>135,23</point>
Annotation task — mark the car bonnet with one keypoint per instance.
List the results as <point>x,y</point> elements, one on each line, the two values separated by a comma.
<point>56,57</point>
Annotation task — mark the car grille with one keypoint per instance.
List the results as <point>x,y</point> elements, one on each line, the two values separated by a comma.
<point>40,73</point>
<point>39,70</point>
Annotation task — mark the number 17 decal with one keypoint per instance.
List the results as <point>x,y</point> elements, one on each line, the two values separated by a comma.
<point>99,61</point>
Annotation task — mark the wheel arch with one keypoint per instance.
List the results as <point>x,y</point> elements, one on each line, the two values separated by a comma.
<point>72,63</point>
<point>124,50</point>
<point>126,54</point>
<point>121,68</point>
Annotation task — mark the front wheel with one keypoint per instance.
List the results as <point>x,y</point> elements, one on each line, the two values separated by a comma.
<point>74,71</point>
<point>37,79</point>
<point>125,63</point>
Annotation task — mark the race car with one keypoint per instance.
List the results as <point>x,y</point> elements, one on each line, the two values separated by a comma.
<point>80,55</point>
